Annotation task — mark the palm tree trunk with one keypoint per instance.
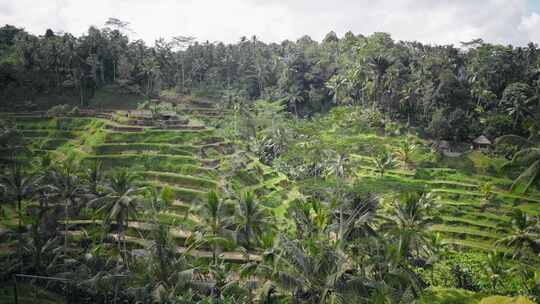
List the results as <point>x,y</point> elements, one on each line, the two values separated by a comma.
<point>66,218</point>
<point>19,207</point>
<point>19,236</point>
<point>124,240</point>
<point>81,91</point>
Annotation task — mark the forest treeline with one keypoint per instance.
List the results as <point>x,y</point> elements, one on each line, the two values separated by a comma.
<point>494,88</point>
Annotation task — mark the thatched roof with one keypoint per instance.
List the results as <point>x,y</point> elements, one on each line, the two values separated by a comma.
<point>482,140</point>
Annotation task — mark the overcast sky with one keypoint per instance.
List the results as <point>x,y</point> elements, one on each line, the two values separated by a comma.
<point>429,21</point>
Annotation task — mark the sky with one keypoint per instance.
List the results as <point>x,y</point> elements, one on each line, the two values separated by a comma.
<point>514,22</point>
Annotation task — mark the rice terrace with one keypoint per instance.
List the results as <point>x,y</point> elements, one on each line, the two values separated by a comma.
<point>354,168</point>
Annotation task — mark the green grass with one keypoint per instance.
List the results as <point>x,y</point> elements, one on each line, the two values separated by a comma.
<point>180,193</point>
<point>466,231</point>
<point>50,143</point>
<point>149,161</point>
<point>54,123</point>
<point>474,244</point>
<point>477,223</point>
<point>439,295</point>
<point>114,148</point>
<point>50,133</point>
<point>246,178</point>
<point>180,180</point>
<point>387,184</point>
<point>157,136</point>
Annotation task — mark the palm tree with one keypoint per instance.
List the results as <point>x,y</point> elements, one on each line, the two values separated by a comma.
<point>65,185</point>
<point>294,98</point>
<point>494,266</point>
<point>488,198</point>
<point>94,176</point>
<point>525,234</point>
<point>11,142</point>
<point>251,220</point>
<point>151,70</point>
<point>18,186</point>
<point>44,252</point>
<point>314,274</point>
<point>383,161</point>
<point>437,251</point>
<point>119,203</point>
<point>159,199</point>
<point>409,221</point>
<point>528,156</point>
<point>379,64</point>
<point>355,219</point>
<point>336,167</point>
<point>405,151</point>
<point>517,102</point>
<point>214,226</point>
<point>166,272</point>
<point>334,84</point>
<point>388,274</point>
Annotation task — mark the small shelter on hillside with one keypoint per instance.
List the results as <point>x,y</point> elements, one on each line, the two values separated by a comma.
<point>482,143</point>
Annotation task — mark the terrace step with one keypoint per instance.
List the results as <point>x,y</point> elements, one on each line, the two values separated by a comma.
<point>124,128</point>
<point>182,127</point>
<point>230,256</point>
<point>461,230</point>
<point>181,193</point>
<point>184,181</point>
<point>475,223</point>
<point>49,133</point>
<point>473,244</point>
<point>107,116</point>
<point>133,148</point>
<point>144,226</point>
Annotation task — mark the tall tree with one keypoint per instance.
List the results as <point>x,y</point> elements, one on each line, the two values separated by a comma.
<point>252,220</point>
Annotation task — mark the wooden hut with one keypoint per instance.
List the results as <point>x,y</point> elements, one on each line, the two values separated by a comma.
<point>482,143</point>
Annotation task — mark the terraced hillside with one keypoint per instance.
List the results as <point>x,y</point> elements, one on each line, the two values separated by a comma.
<point>473,201</point>
<point>177,151</point>
<point>183,153</point>
<point>464,218</point>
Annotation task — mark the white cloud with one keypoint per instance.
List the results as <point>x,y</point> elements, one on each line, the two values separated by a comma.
<point>499,21</point>
<point>531,26</point>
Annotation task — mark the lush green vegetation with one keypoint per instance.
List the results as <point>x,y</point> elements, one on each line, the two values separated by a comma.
<point>305,172</point>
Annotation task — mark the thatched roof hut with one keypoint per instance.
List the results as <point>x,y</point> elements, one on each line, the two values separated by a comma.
<point>481,142</point>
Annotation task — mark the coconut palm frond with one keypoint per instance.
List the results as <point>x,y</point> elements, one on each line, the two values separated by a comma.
<point>527,178</point>
<point>515,140</point>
